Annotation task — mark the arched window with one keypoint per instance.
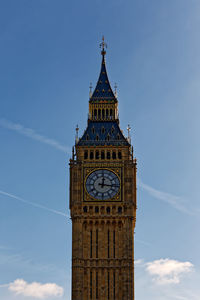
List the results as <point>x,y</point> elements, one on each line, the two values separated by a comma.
<point>91,154</point>
<point>93,130</point>
<point>114,155</point>
<point>103,130</point>
<point>86,154</point>
<point>108,154</point>
<point>85,209</point>
<point>108,137</point>
<point>96,209</point>
<point>119,155</point>
<point>102,154</point>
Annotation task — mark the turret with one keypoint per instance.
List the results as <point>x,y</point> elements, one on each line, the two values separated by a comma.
<point>103,104</point>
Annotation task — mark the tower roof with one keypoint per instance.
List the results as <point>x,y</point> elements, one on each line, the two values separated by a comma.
<point>103,134</point>
<point>103,91</point>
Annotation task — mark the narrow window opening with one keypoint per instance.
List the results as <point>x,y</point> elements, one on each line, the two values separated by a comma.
<point>114,155</point>
<point>103,130</point>
<point>97,237</point>
<point>108,209</point>
<point>118,136</point>
<point>110,114</point>
<point>108,285</point>
<point>90,243</point>
<point>91,154</point>
<point>97,294</point>
<point>108,243</point>
<point>120,210</point>
<point>107,114</point>
<point>102,155</point>
<point>97,154</point>
<point>85,209</point>
<point>91,285</point>
<point>113,243</point>
<point>86,154</point>
<point>108,137</point>
<point>108,154</point>
<point>103,114</point>
<point>114,297</point>
<point>119,155</point>
<point>97,137</point>
<point>87,137</point>
<point>112,129</point>
<point>95,114</point>
<point>93,130</point>
<point>99,114</point>
<point>96,209</point>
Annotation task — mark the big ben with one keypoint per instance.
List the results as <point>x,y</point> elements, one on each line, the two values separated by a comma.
<point>103,201</point>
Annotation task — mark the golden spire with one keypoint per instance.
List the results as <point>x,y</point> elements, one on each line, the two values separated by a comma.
<point>103,45</point>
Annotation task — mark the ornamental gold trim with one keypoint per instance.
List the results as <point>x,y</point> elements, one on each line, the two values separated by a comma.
<point>87,171</point>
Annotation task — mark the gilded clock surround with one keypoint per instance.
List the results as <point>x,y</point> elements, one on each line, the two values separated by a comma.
<point>87,171</point>
<point>103,231</point>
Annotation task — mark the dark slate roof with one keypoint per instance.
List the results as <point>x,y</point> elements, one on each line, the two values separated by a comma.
<point>102,130</point>
<point>103,90</point>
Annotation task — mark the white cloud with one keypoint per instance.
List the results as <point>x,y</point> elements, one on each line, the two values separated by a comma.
<point>34,135</point>
<point>35,289</point>
<point>167,271</point>
<point>175,201</point>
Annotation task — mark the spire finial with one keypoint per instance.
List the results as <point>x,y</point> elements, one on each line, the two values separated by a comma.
<point>129,136</point>
<point>115,89</point>
<point>77,129</point>
<point>90,89</point>
<point>103,45</point>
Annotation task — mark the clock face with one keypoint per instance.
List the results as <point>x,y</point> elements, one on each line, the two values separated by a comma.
<point>102,184</point>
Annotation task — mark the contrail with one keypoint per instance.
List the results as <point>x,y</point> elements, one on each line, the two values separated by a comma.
<point>34,204</point>
<point>175,201</point>
<point>31,133</point>
<point>142,242</point>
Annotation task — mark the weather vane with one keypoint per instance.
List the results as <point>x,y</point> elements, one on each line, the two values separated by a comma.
<point>103,45</point>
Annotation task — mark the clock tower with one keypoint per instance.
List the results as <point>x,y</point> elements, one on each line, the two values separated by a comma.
<point>103,201</point>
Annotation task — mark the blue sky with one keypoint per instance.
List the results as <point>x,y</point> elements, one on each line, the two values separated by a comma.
<point>49,54</point>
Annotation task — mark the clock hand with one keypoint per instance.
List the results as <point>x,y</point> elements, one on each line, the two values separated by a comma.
<point>102,184</point>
